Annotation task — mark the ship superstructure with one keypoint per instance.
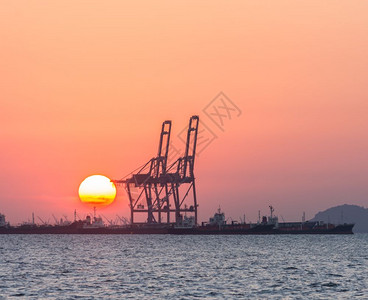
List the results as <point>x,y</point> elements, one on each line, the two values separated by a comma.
<point>3,222</point>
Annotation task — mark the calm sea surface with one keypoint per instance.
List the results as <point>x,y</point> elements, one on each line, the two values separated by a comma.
<point>183,267</point>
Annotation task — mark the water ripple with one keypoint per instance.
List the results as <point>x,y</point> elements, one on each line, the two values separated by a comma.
<point>183,267</point>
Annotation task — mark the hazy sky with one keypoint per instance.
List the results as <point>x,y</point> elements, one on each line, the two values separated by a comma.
<point>85,85</point>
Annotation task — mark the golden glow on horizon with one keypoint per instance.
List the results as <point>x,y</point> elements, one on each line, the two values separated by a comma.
<point>97,190</point>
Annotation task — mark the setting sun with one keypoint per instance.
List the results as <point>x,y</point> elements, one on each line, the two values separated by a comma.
<point>97,190</point>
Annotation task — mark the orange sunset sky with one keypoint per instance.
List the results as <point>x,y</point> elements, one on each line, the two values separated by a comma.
<point>85,86</point>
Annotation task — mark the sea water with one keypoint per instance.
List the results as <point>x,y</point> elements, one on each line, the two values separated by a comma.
<point>183,267</point>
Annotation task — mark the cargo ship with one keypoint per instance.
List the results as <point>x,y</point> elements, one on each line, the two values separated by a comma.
<point>268,225</point>
<point>216,225</point>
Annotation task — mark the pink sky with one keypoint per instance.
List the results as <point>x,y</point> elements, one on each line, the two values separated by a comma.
<point>85,85</point>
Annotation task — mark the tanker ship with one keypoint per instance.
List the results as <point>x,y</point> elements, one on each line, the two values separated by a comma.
<point>268,225</point>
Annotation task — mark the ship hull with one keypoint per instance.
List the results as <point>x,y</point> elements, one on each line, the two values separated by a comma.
<point>338,229</point>
<point>201,230</point>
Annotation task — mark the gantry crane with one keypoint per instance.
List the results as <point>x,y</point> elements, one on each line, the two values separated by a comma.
<point>152,189</point>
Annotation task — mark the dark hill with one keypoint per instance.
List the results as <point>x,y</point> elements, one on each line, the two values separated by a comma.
<point>345,214</point>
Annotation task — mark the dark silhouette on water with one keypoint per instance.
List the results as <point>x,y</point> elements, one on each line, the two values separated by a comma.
<point>216,225</point>
<point>345,214</point>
